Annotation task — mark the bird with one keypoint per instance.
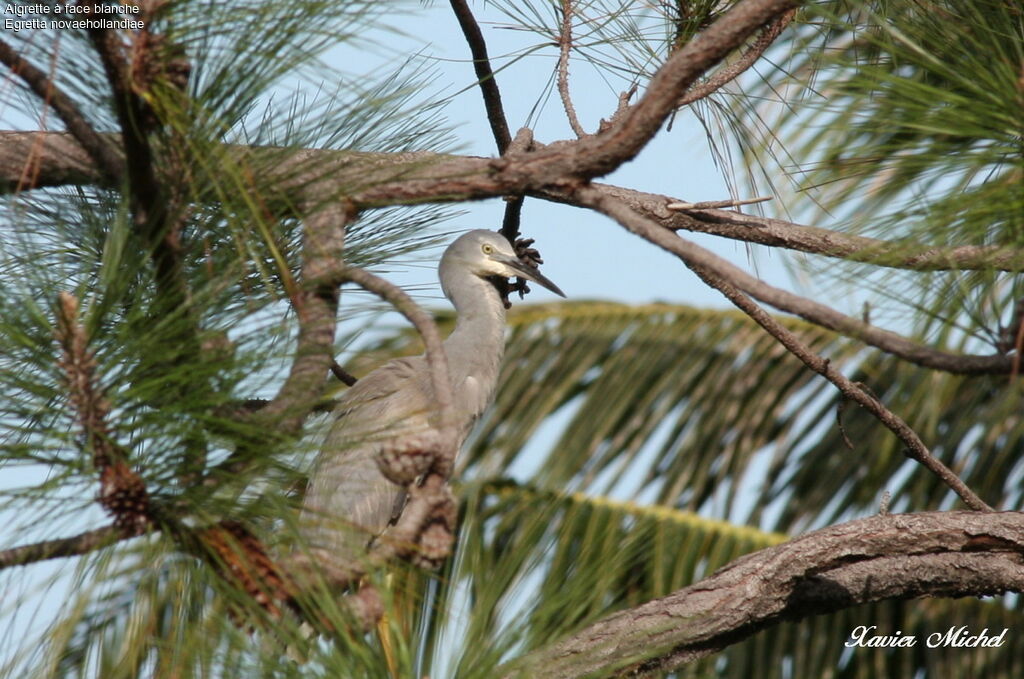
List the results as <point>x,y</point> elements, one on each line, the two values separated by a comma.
<point>349,500</point>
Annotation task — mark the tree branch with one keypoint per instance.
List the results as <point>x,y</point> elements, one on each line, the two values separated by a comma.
<point>424,532</point>
<point>122,492</point>
<point>316,305</point>
<point>564,45</point>
<point>710,269</point>
<point>599,154</point>
<point>484,74</point>
<point>437,360</point>
<point>83,543</point>
<point>749,57</point>
<point>418,177</point>
<point>99,148</point>
<point>492,105</point>
<point>61,162</point>
<point>896,556</point>
<point>807,309</point>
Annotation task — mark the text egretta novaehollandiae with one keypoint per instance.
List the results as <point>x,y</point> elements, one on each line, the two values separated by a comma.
<point>349,501</point>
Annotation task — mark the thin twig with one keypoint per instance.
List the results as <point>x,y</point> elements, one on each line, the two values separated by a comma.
<point>343,375</point>
<point>83,543</point>
<point>564,45</point>
<point>484,74</point>
<point>705,266</point>
<point>521,143</point>
<point>492,105</point>
<point>716,204</point>
<point>749,57</point>
<point>99,148</point>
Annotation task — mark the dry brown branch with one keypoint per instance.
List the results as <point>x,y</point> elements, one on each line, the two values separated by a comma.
<point>730,72</point>
<point>895,556</point>
<point>814,312</point>
<point>710,269</point>
<point>315,300</point>
<point>61,163</point>
<point>564,46</point>
<point>484,74</point>
<point>448,178</point>
<point>77,545</point>
<point>109,165</point>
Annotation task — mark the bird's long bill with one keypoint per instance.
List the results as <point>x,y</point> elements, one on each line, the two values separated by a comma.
<point>533,274</point>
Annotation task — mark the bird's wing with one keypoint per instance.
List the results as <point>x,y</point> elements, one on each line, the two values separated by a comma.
<point>349,501</point>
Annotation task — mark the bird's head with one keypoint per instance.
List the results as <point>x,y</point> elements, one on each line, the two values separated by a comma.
<point>486,253</point>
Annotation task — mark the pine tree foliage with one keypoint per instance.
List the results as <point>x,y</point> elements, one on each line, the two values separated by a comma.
<point>907,126</point>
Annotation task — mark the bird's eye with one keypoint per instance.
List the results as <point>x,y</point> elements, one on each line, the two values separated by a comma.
<point>487,248</point>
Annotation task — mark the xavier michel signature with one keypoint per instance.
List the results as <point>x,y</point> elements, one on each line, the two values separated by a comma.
<point>864,636</point>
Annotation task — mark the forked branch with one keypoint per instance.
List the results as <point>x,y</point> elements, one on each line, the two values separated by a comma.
<point>706,265</point>
<point>109,164</point>
<point>730,72</point>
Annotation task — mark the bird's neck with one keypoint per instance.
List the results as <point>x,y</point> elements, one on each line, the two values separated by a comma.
<point>476,345</point>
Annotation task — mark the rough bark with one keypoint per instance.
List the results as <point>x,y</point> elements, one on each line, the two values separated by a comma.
<point>365,179</point>
<point>900,556</point>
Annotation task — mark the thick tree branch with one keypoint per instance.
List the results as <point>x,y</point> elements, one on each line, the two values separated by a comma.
<point>710,269</point>
<point>315,300</point>
<point>150,198</point>
<point>388,179</point>
<point>147,194</point>
<point>61,162</point>
<point>896,556</point>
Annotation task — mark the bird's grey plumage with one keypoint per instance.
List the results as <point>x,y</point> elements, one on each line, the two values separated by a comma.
<point>349,501</point>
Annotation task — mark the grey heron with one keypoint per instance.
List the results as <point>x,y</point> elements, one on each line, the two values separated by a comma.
<point>349,501</point>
